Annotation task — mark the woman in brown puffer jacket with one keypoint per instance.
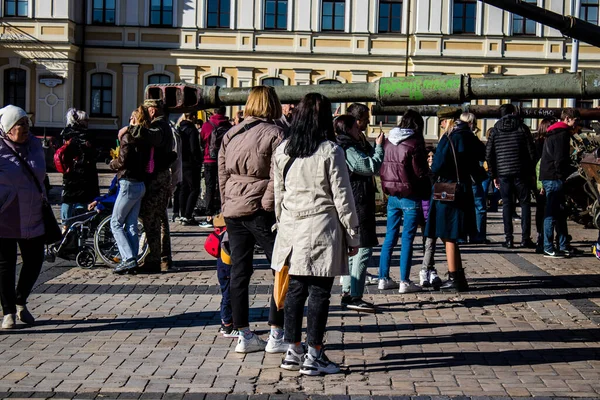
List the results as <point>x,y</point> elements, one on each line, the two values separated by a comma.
<point>247,202</point>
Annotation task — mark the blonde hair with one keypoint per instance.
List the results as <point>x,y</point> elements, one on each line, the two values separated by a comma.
<point>263,103</point>
<point>142,115</point>
<point>76,117</point>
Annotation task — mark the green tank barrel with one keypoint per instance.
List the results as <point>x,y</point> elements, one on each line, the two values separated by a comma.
<point>568,25</point>
<point>412,90</point>
<point>482,112</point>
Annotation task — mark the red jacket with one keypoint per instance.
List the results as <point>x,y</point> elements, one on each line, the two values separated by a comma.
<point>207,129</point>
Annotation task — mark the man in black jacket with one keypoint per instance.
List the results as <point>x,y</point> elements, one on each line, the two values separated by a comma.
<point>511,155</point>
<point>191,160</point>
<point>555,167</point>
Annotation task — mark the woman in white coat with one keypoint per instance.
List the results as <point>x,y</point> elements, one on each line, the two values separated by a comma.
<point>317,228</point>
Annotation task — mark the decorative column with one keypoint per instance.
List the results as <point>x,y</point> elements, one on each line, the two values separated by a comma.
<point>302,76</point>
<point>187,73</point>
<point>130,90</point>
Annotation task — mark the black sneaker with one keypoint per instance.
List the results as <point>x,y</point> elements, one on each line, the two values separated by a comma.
<point>346,299</point>
<point>189,221</point>
<point>508,244</point>
<point>572,252</point>
<point>554,254</point>
<point>528,244</point>
<point>358,304</point>
<point>228,331</point>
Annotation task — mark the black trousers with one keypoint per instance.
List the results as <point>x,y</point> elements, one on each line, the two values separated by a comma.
<point>32,253</point>
<point>244,233</point>
<point>509,187</point>
<point>189,190</point>
<point>212,197</point>
<point>318,292</point>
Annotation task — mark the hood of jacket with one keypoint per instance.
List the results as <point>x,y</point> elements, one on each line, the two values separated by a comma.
<point>218,119</point>
<point>508,123</point>
<point>398,135</point>
<point>554,128</point>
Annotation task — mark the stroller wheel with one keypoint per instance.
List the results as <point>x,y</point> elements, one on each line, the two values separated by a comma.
<point>86,258</point>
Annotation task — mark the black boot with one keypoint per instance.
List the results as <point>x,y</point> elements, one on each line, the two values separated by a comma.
<point>456,282</point>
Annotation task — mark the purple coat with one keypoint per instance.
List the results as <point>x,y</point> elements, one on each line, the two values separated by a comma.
<point>20,201</point>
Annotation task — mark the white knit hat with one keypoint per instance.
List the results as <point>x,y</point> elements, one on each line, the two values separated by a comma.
<point>9,116</point>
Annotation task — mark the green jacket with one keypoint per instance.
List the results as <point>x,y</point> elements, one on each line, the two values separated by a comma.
<point>363,164</point>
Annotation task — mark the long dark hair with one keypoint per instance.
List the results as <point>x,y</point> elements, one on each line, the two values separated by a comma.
<point>311,126</point>
<point>343,124</point>
<point>543,127</point>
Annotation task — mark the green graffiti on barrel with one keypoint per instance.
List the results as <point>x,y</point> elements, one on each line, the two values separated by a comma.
<point>420,89</point>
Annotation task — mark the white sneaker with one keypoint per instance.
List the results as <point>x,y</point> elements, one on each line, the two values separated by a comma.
<point>8,322</point>
<point>434,279</point>
<point>424,278</point>
<point>251,345</point>
<point>276,345</point>
<point>292,360</point>
<point>318,365</point>
<point>409,287</point>
<point>371,279</point>
<point>387,283</point>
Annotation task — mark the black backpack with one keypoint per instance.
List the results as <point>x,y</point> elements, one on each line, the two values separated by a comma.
<point>216,137</point>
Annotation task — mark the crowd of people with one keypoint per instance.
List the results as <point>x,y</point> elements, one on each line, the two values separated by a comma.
<point>300,183</point>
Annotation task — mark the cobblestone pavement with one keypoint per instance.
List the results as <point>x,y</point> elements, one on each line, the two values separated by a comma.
<point>529,327</point>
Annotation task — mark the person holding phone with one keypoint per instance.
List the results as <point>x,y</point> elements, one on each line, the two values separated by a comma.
<point>363,163</point>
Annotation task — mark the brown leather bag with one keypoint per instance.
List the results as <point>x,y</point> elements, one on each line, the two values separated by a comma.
<point>446,191</point>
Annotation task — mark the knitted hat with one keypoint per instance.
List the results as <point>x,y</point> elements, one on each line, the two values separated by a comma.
<point>448,112</point>
<point>9,116</point>
<point>158,103</point>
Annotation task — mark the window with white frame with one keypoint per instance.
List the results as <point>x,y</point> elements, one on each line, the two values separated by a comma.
<point>161,12</point>
<point>333,15</point>
<point>273,82</point>
<point>158,78</point>
<point>101,95</point>
<point>523,26</point>
<point>16,8</point>
<point>103,12</point>
<point>15,87</point>
<point>589,11</point>
<point>218,13</point>
<point>464,16</point>
<point>390,16</point>
<point>276,14</point>
<point>215,81</point>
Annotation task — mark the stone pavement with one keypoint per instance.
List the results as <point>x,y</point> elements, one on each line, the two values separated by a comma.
<point>529,327</point>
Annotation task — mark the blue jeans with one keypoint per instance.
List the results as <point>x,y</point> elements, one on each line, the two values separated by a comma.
<point>69,210</point>
<point>554,218</point>
<point>224,277</point>
<point>397,208</point>
<point>124,222</point>
<point>480,196</point>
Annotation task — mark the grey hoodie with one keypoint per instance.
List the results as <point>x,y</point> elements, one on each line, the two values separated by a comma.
<point>398,135</point>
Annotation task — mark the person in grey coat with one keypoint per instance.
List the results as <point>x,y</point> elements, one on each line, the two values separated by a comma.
<point>21,221</point>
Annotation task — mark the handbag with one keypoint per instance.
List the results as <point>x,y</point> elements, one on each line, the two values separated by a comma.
<point>446,191</point>
<point>52,233</point>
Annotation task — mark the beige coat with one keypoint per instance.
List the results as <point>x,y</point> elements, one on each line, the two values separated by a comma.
<point>245,175</point>
<point>316,216</point>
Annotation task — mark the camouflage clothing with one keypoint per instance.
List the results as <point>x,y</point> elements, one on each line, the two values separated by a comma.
<point>153,212</point>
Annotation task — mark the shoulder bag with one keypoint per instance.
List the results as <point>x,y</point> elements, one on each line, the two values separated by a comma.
<point>446,191</point>
<point>52,231</point>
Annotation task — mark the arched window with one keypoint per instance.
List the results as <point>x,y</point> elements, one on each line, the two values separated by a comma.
<point>334,106</point>
<point>158,78</point>
<point>215,81</point>
<point>101,99</point>
<point>272,82</point>
<point>15,87</point>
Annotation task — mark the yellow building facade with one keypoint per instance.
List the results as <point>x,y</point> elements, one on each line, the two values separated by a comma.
<point>99,55</point>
